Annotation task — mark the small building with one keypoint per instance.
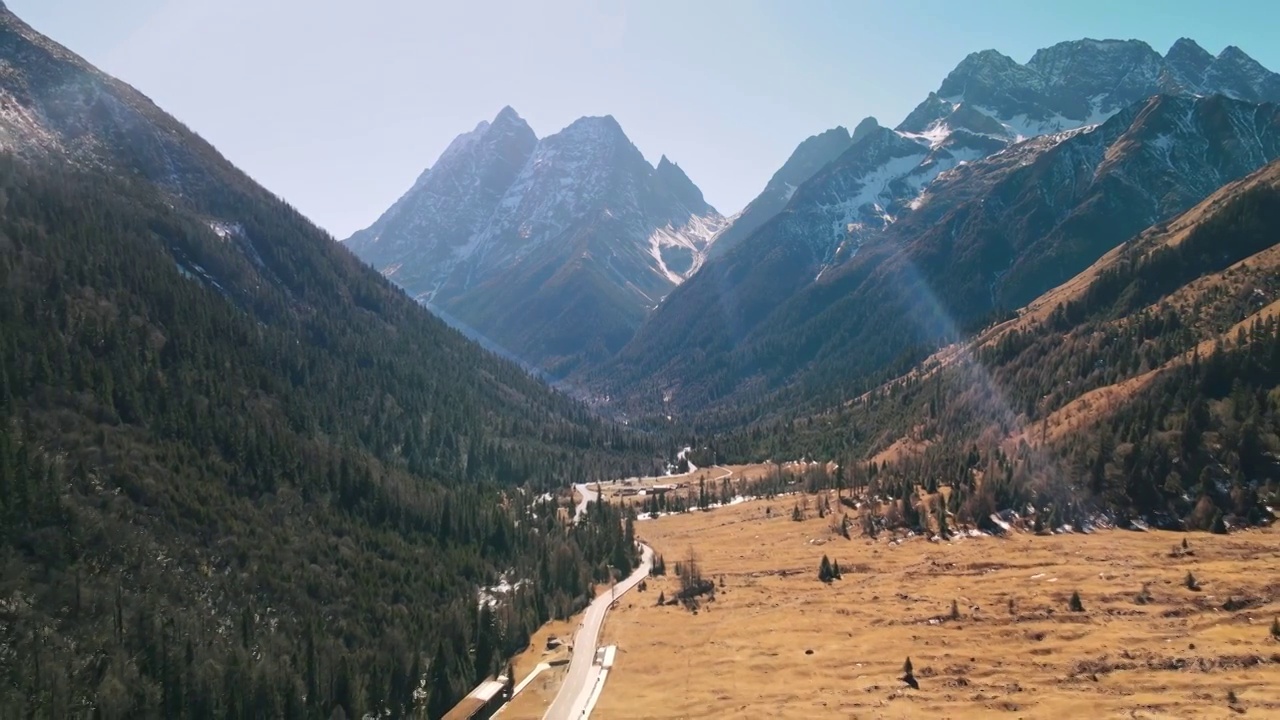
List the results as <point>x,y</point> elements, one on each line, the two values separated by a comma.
<point>481,703</point>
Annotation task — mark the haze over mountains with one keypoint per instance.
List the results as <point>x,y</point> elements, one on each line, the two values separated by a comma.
<point>563,251</point>
<point>555,249</point>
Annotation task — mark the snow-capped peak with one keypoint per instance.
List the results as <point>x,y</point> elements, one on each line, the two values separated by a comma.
<point>504,220</point>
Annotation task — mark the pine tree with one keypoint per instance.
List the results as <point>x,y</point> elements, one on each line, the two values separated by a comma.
<point>1219,526</point>
<point>442,694</point>
<point>1075,605</point>
<point>824,570</point>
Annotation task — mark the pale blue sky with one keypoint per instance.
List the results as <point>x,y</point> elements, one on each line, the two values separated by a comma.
<point>337,106</point>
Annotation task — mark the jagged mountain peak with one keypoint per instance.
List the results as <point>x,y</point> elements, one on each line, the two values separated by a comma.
<point>838,133</point>
<point>593,140</point>
<point>1234,53</point>
<point>809,157</point>
<point>863,129</point>
<point>1186,64</point>
<point>1082,78</point>
<point>449,202</point>
<point>1237,59</point>
<point>1078,83</point>
<point>1185,47</point>
<point>1234,73</point>
<point>600,126</point>
<point>508,121</point>
<point>667,167</point>
<point>984,59</point>
<point>978,73</point>
<point>507,114</point>
<point>675,181</point>
<point>552,249</point>
<point>1049,60</point>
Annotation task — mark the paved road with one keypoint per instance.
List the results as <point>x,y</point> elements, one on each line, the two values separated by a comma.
<point>575,692</point>
<point>571,702</point>
<point>588,496</point>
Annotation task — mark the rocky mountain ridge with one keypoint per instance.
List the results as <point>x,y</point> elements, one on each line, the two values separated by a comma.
<point>554,249</point>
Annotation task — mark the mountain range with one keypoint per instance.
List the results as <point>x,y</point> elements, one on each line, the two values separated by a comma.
<point>1007,180</point>
<point>562,252</point>
<point>553,249</point>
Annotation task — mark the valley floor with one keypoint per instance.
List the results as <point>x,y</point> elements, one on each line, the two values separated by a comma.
<point>776,641</point>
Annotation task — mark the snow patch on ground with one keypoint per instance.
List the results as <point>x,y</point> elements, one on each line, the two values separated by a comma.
<point>934,135</point>
<point>1022,127</point>
<point>20,128</point>
<point>873,194</point>
<point>225,230</point>
<point>194,271</point>
<point>491,596</point>
<point>696,236</point>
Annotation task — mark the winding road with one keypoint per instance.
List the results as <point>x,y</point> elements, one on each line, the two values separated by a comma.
<point>574,698</point>
<point>575,692</point>
<point>588,496</point>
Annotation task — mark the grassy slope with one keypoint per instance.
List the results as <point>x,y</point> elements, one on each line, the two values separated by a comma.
<point>745,654</point>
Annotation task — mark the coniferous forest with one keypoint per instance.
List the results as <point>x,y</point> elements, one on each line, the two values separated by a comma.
<point>232,487</point>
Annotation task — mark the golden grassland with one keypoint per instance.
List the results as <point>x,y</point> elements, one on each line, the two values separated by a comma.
<point>534,700</point>
<point>776,642</point>
<point>616,492</point>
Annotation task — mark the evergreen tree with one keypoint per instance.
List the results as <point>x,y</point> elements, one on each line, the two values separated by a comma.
<point>825,571</point>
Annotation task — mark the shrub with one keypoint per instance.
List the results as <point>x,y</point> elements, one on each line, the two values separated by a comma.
<point>1144,595</point>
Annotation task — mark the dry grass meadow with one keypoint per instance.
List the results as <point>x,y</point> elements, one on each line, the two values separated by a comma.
<point>776,642</point>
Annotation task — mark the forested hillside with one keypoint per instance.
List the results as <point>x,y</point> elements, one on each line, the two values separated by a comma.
<point>242,475</point>
<point>257,508</point>
<point>1145,388</point>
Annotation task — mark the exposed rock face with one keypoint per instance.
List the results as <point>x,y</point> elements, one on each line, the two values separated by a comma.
<point>553,249</point>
